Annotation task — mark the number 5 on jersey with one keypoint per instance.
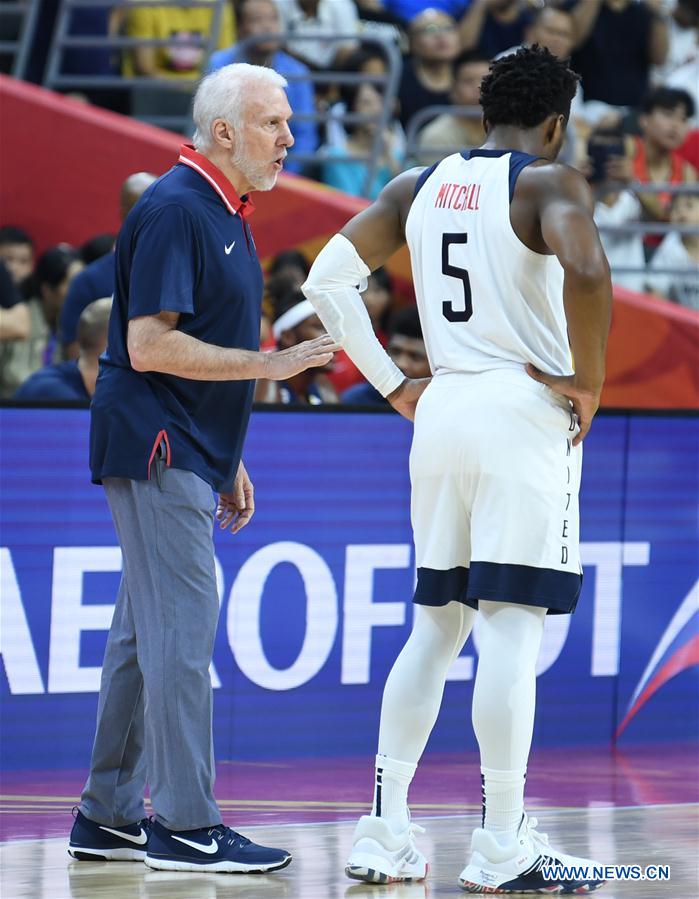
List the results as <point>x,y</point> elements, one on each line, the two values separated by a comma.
<point>456,315</point>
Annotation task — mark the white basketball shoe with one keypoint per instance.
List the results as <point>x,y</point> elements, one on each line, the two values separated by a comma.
<point>381,856</point>
<point>526,865</point>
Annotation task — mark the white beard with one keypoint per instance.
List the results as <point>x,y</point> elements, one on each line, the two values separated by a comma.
<point>257,173</point>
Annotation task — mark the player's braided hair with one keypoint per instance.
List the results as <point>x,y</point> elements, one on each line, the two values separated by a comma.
<point>525,87</point>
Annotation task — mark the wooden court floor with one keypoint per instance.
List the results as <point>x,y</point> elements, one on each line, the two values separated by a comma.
<point>658,834</point>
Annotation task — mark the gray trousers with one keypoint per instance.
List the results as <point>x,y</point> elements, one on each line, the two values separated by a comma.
<point>155,707</point>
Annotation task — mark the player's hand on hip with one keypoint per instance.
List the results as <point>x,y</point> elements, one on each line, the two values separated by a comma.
<point>314,353</point>
<point>405,398</point>
<point>235,509</point>
<point>585,400</point>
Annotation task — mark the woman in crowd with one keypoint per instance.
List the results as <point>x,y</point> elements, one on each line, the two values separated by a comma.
<point>47,289</point>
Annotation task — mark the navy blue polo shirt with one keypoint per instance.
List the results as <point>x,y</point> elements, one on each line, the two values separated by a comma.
<point>55,382</point>
<point>364,395</point>
<point>185,247</point>
<point>94,282</point>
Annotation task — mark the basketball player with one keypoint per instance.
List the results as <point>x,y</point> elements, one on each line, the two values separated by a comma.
<point>510,277</point>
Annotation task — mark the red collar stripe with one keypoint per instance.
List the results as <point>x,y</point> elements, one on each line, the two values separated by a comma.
<point>218,181</point>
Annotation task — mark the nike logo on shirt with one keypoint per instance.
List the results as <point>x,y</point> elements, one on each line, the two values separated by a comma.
<point>210,849</point>
<point>228,249</point>
<point>140,840</point>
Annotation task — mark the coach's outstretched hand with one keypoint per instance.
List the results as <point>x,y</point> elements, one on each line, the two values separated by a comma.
<point>585,400</point>
<point>310,354</point>
<point>405,398</point>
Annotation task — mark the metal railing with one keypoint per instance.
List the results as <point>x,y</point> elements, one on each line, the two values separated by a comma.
<point>414,151</point>
<point>642,228</point>
<point>25,13</point>
<point>62,40</point>
<point>143,86</point>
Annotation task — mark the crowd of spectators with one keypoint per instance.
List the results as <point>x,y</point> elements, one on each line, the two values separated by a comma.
<point>50,309</point>
<point>633,126</point>
<point>54,314</point>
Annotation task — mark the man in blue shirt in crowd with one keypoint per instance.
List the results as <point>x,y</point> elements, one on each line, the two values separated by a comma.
<point>406,346</point>
<point>74,379</point>
<point>97,279</point>
<point>257,17</point>
<point>169,417</point>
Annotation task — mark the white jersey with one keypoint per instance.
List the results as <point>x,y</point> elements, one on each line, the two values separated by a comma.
<point>486,301</point>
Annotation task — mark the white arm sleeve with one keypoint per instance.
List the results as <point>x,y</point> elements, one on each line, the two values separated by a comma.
<point>333,286</point>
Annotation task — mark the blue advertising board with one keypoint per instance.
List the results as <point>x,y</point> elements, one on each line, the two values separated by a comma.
<point>315,593</point>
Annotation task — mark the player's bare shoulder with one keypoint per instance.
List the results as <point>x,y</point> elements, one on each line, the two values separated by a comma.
<point>542,187</point>
<point>544,181</point>
<point>400,191</point>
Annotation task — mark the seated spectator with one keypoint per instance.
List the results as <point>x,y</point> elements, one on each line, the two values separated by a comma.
<point>76,378</point>
<point>491,26</point>
<point>308,18</point>
<point>17,261</point>
<point>678,251</point>
<point>548,27</point>
<point>407,349</point>
<point>9,292</point>
<point>427,75</point>
<point>187,28</point>
<point>291,265</point>
<point>450,132</point>
<point>378,299</point>
<point>14,314</point>
<point>616,42</point>
<point>17,252</point>
<point>653,157</point>
<point>286,273</point>
<point>623,249</point>
<point>257,17</point>
<point>686,78</point>
<point>21,358</point>
<point>368,59</point>
<point>682,24</point>
<point>97,279</point>
<point>96,247</point>
<point>296,321</point>
<point>552,28</point>
<point>614,208</point>
<point>350,175</point>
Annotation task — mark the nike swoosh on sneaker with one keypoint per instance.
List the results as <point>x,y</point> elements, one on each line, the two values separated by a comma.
<point>140,840</point>
<point>210,849</point>
<point>228,248</point>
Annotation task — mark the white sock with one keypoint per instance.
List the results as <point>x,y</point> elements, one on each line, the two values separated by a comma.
<point>391,791</point>
<point>503,802</point>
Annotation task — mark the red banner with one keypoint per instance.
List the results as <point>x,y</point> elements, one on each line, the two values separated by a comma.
<point>63,162</point>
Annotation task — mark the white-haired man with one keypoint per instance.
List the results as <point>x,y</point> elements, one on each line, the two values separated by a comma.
<point>169,417</point>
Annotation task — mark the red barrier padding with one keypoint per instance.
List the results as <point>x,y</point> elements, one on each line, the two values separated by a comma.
<point>63,162</point>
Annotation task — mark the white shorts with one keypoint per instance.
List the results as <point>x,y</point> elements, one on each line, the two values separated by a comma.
<point>495,483</point>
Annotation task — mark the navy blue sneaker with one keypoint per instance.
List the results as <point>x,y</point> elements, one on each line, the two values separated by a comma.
<point>90,841</point>
<point>217,848</point>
